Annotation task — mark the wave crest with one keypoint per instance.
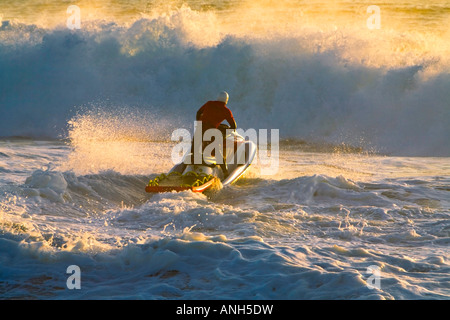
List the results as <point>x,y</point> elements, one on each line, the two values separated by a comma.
<point>337,85</point>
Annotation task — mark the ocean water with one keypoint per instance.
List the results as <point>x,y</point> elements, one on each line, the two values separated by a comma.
<point>359,205</point>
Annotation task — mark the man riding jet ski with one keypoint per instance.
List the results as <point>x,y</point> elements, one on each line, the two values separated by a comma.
<point>211,115</point>
<point>224,159</point>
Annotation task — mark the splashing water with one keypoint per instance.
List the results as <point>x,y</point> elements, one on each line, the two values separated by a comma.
<point>364,174</point>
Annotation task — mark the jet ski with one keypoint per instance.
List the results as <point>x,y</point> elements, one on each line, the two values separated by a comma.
<point>238,152</point>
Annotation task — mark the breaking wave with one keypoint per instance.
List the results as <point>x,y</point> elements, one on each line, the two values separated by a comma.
<point>342,85</point>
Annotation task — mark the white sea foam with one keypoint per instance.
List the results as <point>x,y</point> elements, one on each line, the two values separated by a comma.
<point>303,237</point>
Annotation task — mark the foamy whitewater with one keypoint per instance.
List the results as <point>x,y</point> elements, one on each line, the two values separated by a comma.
<point>358,209</point>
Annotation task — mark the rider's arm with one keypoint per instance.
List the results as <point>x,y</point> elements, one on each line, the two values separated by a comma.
<point>233,124</point>
<point>231,121</point>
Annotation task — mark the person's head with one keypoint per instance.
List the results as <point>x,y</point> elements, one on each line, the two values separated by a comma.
<point>223,96</point>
